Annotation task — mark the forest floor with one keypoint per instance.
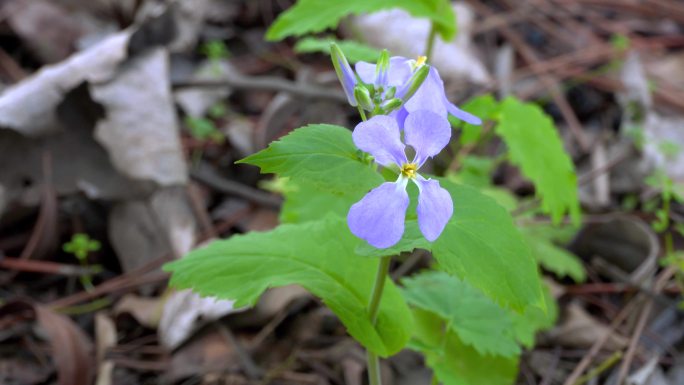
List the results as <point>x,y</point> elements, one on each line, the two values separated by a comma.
<point>204,89</point>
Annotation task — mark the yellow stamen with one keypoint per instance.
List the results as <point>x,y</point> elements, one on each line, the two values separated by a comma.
<point>409,170</point>
<point>420,61</point>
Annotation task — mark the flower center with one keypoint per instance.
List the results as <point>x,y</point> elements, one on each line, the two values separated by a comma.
<point>420,61</point>
<point>409,170</point>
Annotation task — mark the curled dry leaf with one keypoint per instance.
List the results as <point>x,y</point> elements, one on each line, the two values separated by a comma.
<point>71,349</point>
<point>185,312</point>
<point>48,30</point>
<point>143,230</point>
<point>140,131</point>
<point>581,330</point>
<point>105,334</point>
<point>57,108</point>
<point>147,311</point>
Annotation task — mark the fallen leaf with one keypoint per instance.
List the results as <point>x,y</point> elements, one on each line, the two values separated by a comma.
<point>71,350</point>
<point>185,312</point>
<point>147,311</point>
<point>580,330</point>
<point>140,131</point>
<point>105,338</point>
<point>143,230</point>
<point>48,30</point>
<point>207,353</point>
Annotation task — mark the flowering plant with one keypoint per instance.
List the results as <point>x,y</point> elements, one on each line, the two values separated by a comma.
<point>350,211</point>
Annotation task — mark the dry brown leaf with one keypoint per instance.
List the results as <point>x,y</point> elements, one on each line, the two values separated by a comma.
<point>72,350</point>
<point>105,338</point>
<point>147,311</point>
<point>185,312</point>
<point>581,330</point>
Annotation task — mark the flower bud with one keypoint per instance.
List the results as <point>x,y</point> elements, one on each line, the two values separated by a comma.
<point>391,91</point>
<point>415,81</point>
<point>390,105</point>
<point>363,97</point>
<point>344,72</point>
<point>382,68</point>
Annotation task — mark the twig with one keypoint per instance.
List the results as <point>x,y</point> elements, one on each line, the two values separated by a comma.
<point>267,83</point>
<point>634,341</point>
<point>200,210</point>
<point>603,366</point>
<point>590,175</point>
<point>627,310</point>
<point>252,370</point>
<point>548,376</point>
<point>118,283</point>
<point>47,267</point>
<point>47,211</point>
<point>206,173</point>
<point>553,87</point>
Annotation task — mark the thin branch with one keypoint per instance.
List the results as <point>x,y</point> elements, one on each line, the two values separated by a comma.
<point>267,83</point>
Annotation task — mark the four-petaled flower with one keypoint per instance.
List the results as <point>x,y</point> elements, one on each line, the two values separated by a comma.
<point>380,88</point>
<point>429,96</point>
<point>379,216</point>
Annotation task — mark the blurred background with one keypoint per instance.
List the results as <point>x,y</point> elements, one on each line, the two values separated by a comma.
<point>120,122</point>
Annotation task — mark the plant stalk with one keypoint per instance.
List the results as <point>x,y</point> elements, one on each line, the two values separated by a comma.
<point>362,114</point>
<point>374,377</point>
<point>430,41</point>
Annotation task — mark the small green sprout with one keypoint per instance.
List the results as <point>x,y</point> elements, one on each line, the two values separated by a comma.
<point>81,245</point>
<point>215,50</point>
<point>204,129</point>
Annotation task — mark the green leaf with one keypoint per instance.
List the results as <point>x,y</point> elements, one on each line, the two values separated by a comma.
<point>323,155</point>
<point>485,107</point>
<point>476,319</point>
<point>527,324</point>
<point>455,363</point>
<point>311,16</point>
<point>553,258</point>
<point>353,50</point>
<point>543,240</point>
<point>304,202</point>
<point>475,171</point>
<point>319,256</point>
<point>482,246</point>
<point>535,146</point>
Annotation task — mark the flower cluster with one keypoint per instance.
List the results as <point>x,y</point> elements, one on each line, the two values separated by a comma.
<point>406,98</point>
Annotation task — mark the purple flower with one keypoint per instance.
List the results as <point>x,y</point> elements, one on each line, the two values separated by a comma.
<point>429,96</point>
<point>379,88</point>
<point>379,216</point>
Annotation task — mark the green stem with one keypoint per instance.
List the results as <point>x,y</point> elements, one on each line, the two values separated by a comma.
<point>362,113</point>
<point>374,377</point>
<point>431,41</point>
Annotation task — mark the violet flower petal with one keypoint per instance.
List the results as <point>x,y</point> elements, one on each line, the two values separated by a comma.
<point>380,137</point>
<point>378,218</point>
<point>427,132</point>
<point>345,74</point>
<point>430,96</point>
<point>460,114</point>
<point>399,71</point>
<point>435,208</point>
